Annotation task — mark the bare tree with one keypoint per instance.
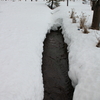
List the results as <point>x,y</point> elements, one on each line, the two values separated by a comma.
<point>96,16</point>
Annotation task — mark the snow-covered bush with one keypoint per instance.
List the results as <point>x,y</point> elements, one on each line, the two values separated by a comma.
<point>98,44</point>
<point>85,29</point>
<point>56,3</point>
<point>74,19</point>
<point>72,13</point>
<point>85,2</point>
<point>83,20</point>
<point>52,4</point>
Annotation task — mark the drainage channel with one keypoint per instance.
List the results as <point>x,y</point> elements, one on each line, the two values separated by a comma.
<point>57,85</point>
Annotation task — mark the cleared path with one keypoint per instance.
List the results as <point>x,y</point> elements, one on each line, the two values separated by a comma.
<point>57,85</point>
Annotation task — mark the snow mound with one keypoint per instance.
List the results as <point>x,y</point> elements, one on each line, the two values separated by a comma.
<point>84,56</point>
<point>22,32</point>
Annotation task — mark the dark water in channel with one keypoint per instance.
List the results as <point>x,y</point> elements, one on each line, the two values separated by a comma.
<point>57,85</point>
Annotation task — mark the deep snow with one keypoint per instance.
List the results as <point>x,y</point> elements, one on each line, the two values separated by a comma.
<point>84,56</point>
<point>23,28</point>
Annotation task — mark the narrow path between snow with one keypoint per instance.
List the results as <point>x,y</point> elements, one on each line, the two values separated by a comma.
<point>57,85</point>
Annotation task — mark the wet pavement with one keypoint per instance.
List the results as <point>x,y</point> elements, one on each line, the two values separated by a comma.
<point>57,85</point>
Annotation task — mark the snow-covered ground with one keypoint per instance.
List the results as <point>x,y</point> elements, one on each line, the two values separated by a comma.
<point>23,28</point>
<point>84,56</point>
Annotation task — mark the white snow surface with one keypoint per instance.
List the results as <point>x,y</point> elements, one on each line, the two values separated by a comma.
<point>23,28</point>
<point>84,56</point>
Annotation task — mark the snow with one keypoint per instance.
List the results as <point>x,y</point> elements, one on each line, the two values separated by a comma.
<point>23,28</point>
<point>84,58</point>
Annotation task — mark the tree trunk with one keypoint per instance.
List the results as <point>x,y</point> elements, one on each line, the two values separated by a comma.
<point>96,16</point>
<point>52,4</point>
<point>93,5</point>
<point>67,2</point>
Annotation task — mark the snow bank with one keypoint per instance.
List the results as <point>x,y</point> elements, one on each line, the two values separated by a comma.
<point>23,27</point>
<point>84,56</point>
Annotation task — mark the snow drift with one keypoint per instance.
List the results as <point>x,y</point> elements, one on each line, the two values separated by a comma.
<point>84,58</point>
<point>23,26</point>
